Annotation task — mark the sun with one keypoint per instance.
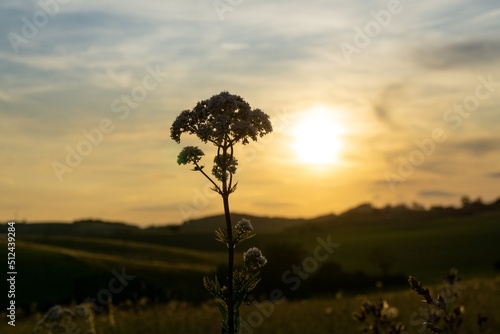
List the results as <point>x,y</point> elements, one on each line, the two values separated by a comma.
<point>317,137</point>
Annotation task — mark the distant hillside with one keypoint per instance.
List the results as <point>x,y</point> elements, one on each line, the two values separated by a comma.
<point>260,224</point>
<point>366,214</point>
<point>98,228</point>
<point>77,228</point>
<point>72,261</point>
<point>361,215</point>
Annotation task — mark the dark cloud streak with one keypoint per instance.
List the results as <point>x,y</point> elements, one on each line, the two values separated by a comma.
<point>436,193</point>
<point>383,108</point>
<point>478,146</point>
<point>464,54</point>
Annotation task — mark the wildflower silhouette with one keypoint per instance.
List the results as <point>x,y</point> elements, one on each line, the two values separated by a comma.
<point>225,120</point>
<point>442,318</point>
<point>60,319</point>
<point>378,318</point>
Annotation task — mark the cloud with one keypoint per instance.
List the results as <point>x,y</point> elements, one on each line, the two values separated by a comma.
<point>478,146</point>
<point>4,97</point>
<point>462,54</point>
<point>436,193</point>
<point>384,107</point>
<point>384,182</point>
<point>274,204</point>
<point>382,113</point>
<point>166,208</point>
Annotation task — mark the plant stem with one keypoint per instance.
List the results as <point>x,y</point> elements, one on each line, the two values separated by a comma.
<point>230,265</point>
<point>216,187</point>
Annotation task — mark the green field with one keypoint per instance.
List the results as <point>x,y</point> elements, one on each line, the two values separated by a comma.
<point>168,269</point>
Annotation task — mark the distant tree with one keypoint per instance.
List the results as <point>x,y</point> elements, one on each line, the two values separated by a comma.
<point>437,208</point>
<point>417,207</point>
<point>478,202</point>
<point>466,202</point>
<point>401,207</point>
<point>471,207</point>
<point>174,228</point>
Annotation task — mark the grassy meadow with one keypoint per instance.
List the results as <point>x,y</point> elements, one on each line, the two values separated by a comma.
<point>166,294</point>
<point>326,315</point>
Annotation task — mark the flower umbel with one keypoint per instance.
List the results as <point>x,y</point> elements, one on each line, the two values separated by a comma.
<point>243,230</point>
<point>224,165</point>
<point>190,154</point>
<point>254,259</point>
<point>223,117</point>
<point>243,226</point>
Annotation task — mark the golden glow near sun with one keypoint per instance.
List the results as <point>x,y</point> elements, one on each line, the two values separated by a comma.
<point>317,137</point>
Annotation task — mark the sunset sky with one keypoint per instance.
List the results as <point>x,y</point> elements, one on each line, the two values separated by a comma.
<point>359,92</point>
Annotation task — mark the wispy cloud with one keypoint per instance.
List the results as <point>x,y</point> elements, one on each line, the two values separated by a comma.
<point>390,98</point>
<point>274,204</point>
<point>477,146</point>
<point>459,54</point>
<point>436,193</point>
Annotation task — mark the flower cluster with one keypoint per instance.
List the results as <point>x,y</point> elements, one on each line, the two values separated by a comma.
<point>242,231</point>
<point>254,259</point>
<point>243,226</point>
<point>190,154</point>
<point>223,166</point>
<point>378,318</point>
<point>223,117</point>
<point>64,320</point>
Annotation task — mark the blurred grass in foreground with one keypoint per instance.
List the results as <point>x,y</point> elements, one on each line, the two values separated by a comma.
<point>332,315</point>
